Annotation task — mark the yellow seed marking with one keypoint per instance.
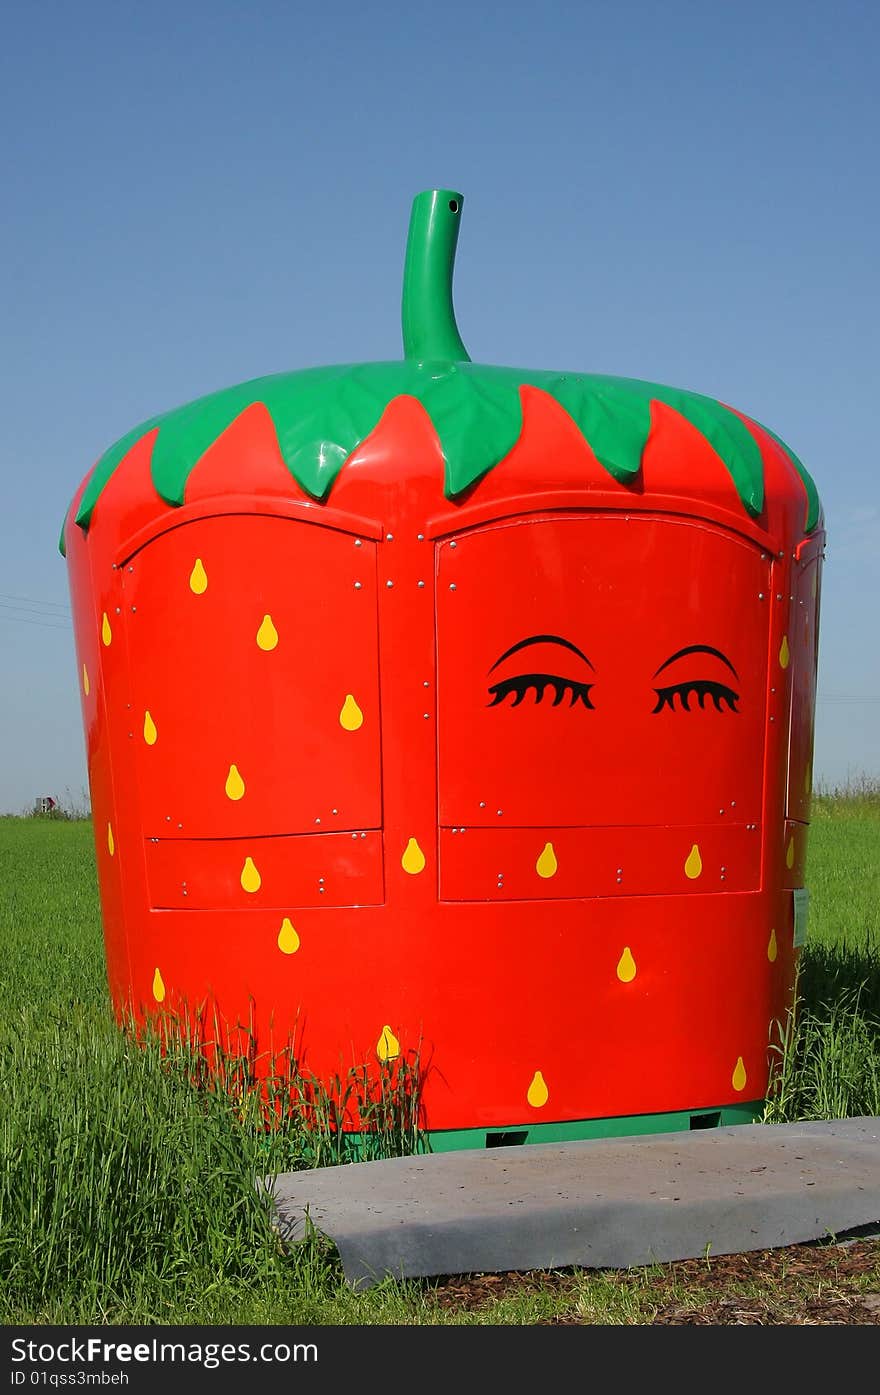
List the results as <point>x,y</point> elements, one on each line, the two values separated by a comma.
<point>738,1079</point>
<point>694,864</point>
<point>537,1093</point>
<point>267,635</point>
<point>198,578</point>
<point>387,1047</point>
<point>413,859</point>
<point>86,684</point>
<point>110,843</point>
<point>106,632</point>
<point>234,783</point>
<point>158,987</point>
<point>789,853</point>
<point>150,732</point>
<point>350,717</point>
<point>250,877</point>
<point>546,866</point>
<point>626,966</point>
<point>772,947</point>
<point>784,653</point>
<point>288,939</point>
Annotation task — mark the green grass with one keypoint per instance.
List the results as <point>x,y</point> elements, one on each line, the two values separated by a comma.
<point>127,1195</point>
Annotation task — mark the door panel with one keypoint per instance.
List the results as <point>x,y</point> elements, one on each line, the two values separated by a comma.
<point>601,671</point>
<point>254,685</point>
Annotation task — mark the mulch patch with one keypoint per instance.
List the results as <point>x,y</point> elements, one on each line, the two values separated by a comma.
<point>821,1283</point>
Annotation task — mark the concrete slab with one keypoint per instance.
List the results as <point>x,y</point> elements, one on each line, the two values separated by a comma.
<point>601,1203</point>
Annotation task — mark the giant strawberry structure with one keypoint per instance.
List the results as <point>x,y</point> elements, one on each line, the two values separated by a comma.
<point>462,709</point>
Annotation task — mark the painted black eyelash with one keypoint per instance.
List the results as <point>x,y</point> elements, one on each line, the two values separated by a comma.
<point>520,685</point>
<point>703,688</point>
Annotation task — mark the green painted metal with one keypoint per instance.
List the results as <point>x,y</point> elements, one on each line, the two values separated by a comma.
<point>814,506</point>
<point>429,328</point>
<point>322,414</point>
<point>574,1130</point>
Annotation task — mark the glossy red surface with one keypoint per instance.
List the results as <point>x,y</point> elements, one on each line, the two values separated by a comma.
<point>622,930</point>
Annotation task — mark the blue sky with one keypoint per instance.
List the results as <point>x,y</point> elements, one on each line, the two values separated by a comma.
<point>200,193</point>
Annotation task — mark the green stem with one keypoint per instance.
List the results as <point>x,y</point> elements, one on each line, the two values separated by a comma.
<point>429,328</point>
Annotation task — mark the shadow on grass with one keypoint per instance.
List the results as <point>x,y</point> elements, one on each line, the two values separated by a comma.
<point>831,975</point>
<point>825,1057</point>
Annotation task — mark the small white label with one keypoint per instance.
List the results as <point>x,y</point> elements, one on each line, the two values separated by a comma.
<point>801,908</point>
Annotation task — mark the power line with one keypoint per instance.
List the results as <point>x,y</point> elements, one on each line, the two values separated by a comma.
<point>43,624</point>
<point>27,603</point>
<point>822,697</point>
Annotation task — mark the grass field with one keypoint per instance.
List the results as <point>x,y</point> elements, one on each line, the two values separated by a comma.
<point>126,1196</point>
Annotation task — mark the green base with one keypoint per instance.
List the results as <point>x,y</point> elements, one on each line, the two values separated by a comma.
<point>570,1130</point>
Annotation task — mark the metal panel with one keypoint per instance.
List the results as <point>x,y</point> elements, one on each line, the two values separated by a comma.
<point>646,641</point>
<point>254,702</point>
<point>802,642</point>
<point>333,869</point>
<point>524,864</point>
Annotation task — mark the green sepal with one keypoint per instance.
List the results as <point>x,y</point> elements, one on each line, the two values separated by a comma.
<point>322,414</point>
<point>814,504</point>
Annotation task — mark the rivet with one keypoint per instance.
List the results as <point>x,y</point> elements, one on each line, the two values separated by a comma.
<point>167,818</point>
<point>421,537</point>
<point>760,595</point>
<point>363,835</point>
<point>453,544</point>
<point>317,820</point>
<point>620,871</point>
<point>389,537</point>
<point>773,719</point>
<point>131,569</point>
<point>354,835</point>
<point>482,803</point>
<point>721,811</point>
<point>426,715</point>
<point>733,803</point>
<point>118,610</point>
<point>779,596</point>
<point>455,830</point>
<point>452,586</point>
<point>357,586</point>
<point>421,583</point>
<point>426,684</point>
<point>499,812</point>
<point>133,609</point>
<point>321,881</point>
<point>389,583</point>
<point>334,811</point>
